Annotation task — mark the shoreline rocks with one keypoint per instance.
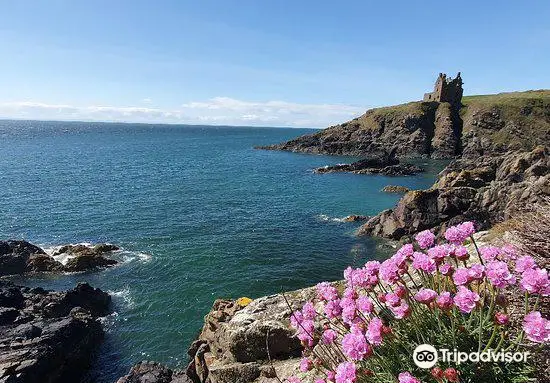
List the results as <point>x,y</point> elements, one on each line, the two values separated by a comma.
<point>395,189</point>
<point>48,336</point>
<point>388,166</point>
<point>19,257</point>
<point>488,189</point>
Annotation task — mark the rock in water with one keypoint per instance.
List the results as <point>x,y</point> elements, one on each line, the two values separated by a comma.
<point>384,164</point>
<point>151,372</point>
<point>14,256</point>
<point>48,336</point>
<point>395,189</point>
<point>355,218</point>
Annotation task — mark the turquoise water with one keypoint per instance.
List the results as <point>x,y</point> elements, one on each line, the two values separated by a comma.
<point>198,211</point>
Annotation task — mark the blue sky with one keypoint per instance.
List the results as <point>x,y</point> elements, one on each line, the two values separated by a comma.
<point>250,62</point>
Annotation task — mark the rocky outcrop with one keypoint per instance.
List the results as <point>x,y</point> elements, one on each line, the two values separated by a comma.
<point>236,342</point>
<point>395,189</point>
<point>18,257</point>
<point>49,336</point>
<point>151,372</point>
<point>355,218</point>
<point>488,189</point>
<point>385,165</point>
<point>492,124</point>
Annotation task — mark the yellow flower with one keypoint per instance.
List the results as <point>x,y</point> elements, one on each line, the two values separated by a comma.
<point>244,301</point>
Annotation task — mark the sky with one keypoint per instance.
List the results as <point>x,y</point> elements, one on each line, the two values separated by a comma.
<point>258,62</point>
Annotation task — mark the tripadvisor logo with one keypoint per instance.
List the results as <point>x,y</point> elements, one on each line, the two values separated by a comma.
<point>426,356</point>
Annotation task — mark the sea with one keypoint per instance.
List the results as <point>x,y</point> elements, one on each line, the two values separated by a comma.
<point>198,212</point>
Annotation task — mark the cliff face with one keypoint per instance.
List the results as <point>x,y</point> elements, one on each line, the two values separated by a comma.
<point>484,125</point>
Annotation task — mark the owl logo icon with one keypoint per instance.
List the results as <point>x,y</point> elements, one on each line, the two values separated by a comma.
<point>425,356</point>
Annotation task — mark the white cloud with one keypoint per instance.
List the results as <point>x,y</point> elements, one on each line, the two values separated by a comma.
<point>217,111</point>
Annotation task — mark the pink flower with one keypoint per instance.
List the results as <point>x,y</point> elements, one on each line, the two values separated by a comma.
<point>444,300</point>
<point>489,253</point>
<point>446,269</point>
<point>508,252</point>
<point>525,263</point>
<point>422,262</point>
<point>476,272</point>
<point>439,252</point>
<point>306,364</point>
<point>459,233</point>
<point>364,304</point>
<point>389,271</point>
<point>392,299</point>
<point>535,281</point>
<point>355,345</point>
<point>296,318</point>
<point>501,318</point>
<point>425,296</point>
<point>372,267</point>
<point>309,311</point>
<point>425,239</point>
<point>499,275</point>
<point>536,327</point>
<point>320,381</point>
<point>293,379</point>
<point>326,291</point>
<point>348,309</point>
<point>406,251</point>
<point>461,253</point>
<point>401,311</point>
<point>374,331</point>
<point>333,308</point>
<point>461,276</point>
<point>306,329</point>
<point>331,376</point>
<point>406,377</point>
<point>345,372</point>
<point>400,291</point>
<point>465,299</point>
<point>329,336</point>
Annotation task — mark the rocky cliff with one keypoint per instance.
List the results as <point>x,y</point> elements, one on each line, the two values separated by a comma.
<point>483,125</point>
<point>487,189</point>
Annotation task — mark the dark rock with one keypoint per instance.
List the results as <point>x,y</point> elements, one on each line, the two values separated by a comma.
<point>355,218</point>
<point>386,165</point>
<point>39,347</point>
<point>88,261</point>
<point>80,250</point>
<point>14,256</point>
<point>10,296</point>
<point>42,262</point>
<point>395,189</point>
<point>151,372</point>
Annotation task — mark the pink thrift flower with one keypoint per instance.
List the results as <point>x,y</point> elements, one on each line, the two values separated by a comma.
<point>329,336</point>
<point>345,372</point>
<point>489,253</point>
<point>389,271</point>
<point>333,309</point>
<point>364,304</point>
<point>392,299</point>
<point>499,275</point>
<point>348,309</point>
<point>306,364</point>
<point>401,311</point>
<point>331,376</point>
<point>525,263</point>
<point>535,281</point>
<point>372,267</point>
<point>422,262</point>
<point>425,296</point>
<point>501,318</point>
<point>293,379</point>
<point>476,272</point>
<point>296,318</point>
<point>320,381</point>
<point>306,331</point>
<point>536,327</point>
<point>439,252</point>
<point>309,311</point>
<point>461,253</point>
<point>461,276</point>
<point>406,251</point>
<point>465,299</point>
<point>425,239</point>
<point>355,345</point>
<point>374,331</point>
<point>508,252</point>
<point>444,300</point>
<point>326,291</point>
<point>459,233</point>
<point>406,377</point>
<point>446,269</point>
<point>400,291</point>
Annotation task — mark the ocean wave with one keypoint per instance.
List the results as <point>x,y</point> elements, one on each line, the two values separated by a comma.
<point>122,255</point>
<point>326,218</point>
<point>123,296</point>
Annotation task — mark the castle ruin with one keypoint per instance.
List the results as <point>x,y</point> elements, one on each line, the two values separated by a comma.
<point>446,89</point>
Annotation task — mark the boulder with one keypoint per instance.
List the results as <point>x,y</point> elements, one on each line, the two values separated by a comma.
<point>14,256</point>
<point>151,372</point>
<point>42,262</point>
<point>355,218</point>
<point>395,189</point>
<point>85,261</point>
<point>384,164</point>
<point>39,342</point>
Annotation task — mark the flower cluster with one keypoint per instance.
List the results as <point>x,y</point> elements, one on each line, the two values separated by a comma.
<point>424,290</point>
